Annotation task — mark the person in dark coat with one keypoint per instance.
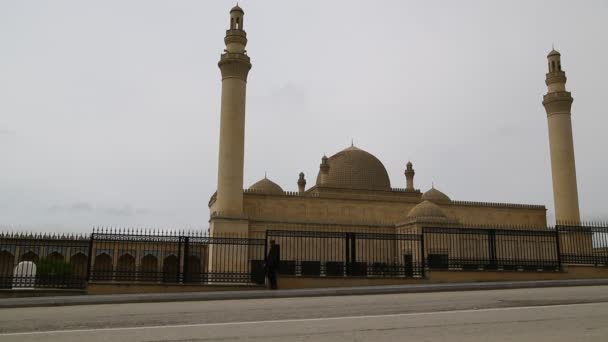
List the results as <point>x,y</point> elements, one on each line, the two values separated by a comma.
<point>272,264</point>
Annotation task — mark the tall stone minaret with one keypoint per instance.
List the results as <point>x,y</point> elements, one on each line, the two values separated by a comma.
<point>557,103</point>
<point>234,65</point>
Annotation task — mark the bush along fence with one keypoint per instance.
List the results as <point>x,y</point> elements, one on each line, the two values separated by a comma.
<point>142,256</point>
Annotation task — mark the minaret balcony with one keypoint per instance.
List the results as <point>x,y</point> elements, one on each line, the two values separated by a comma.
<point>558,102</point>
<point>555,77</point>
<point>235,37</point>
<point>234,57</point>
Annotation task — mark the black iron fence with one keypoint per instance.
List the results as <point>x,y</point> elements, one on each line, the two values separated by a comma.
<point>176,257</point>
<point>491,249</point>
<point>32,261</point>
<point>587,245</point>
<point>339,254</point>
<point>36,260</point>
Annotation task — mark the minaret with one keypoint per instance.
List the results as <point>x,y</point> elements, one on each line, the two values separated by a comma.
<point>301,183</point>
<point>234,65</point>
<point>409,176</point>
<point>324,168</point>
<point>558,103</point>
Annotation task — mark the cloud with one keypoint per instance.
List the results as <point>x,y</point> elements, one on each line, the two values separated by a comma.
<point>84,207</point>
<point>80,207</point>
<point>119,211</point>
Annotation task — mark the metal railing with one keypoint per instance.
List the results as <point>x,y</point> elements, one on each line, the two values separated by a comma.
<point>175,257</point>
<point>43,261</point>
<point>491,249</point>
<point>172,257</point>
<point>583,245</point>
<point>348,254</point>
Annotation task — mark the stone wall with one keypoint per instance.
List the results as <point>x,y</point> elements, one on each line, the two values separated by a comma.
<point>371,212</point>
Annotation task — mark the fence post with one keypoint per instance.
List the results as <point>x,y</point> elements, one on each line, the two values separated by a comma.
<point>492,247</point>
<point>347,253</point>
<point>90,257</point>
<point>185,277</point>
<point>353,248</point>
<point>179,257</point>
<point>422,254</point>
<point>265,246</point>
<point>558,248</point>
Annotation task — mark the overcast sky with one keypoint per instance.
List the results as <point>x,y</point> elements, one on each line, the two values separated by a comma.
<point>109,110</point>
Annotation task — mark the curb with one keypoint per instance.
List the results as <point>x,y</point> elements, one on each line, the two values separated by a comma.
<point>263,294</point>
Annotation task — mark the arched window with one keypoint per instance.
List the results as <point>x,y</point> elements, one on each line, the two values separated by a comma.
<point>553,65</point>
<point>170,269</point>
<point>102,267</point>
<point>232,23</point>
<point>30,256</point>
<point>125,268</point>
<point>7,261</point>
<point>559,66</point>
<point>79,264</point>
<point>192,273</point>
<point>238,24</point>
<point>148,270</point>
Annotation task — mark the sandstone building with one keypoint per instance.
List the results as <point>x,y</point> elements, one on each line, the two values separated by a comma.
<point>352,190</point>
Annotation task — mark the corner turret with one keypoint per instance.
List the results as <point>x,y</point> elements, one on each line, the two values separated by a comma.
<point>409,176</point>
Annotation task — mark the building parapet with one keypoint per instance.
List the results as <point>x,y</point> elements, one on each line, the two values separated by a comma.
<point>405,190</point>
<point>285,193</point>
<point>498,205</point>
<point>306,223</point>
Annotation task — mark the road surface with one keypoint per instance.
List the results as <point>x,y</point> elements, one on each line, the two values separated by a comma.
<point>551,314</point>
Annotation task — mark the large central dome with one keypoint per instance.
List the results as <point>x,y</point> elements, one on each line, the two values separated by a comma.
<point>354,168</point>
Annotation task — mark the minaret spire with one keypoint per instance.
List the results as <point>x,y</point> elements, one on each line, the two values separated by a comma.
<point>558,104</point>
<point>301,183</point>
<point>409,176</point>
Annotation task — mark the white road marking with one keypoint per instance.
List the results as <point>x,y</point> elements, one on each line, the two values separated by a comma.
<point>293,320</point>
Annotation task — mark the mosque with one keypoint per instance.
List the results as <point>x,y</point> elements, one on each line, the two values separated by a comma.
<point>352,190</point>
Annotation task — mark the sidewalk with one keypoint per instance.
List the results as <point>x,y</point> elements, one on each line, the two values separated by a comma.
<point>257,294</point>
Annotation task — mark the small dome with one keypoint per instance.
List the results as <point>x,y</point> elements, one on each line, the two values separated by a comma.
<point>237,8</point>
<point>435,196</point>
<point>267,186</point>
<point>553,53</point>
<point>426,209</point>
<point>353,168</point>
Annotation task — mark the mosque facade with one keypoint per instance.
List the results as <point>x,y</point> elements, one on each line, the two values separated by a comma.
<point>352,190</point>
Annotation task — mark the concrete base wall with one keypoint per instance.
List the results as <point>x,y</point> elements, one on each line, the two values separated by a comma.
<point>289,282</point>
<point>20,293</point>
<point>122,288</point>
<point>434,277</point>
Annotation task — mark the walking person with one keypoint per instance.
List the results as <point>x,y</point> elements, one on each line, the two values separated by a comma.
<point>272,264</point>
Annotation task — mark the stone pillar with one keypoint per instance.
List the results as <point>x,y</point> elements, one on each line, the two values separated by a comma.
<point>558,103</point>
<point>234,65</point>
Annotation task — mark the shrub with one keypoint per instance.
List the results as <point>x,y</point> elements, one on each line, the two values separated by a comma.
<point>47,268</point>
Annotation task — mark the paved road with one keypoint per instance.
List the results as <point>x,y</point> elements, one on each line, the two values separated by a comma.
<point>552,314</point>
